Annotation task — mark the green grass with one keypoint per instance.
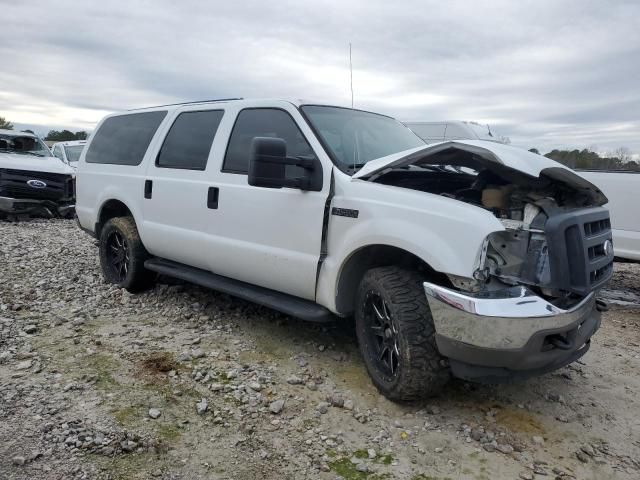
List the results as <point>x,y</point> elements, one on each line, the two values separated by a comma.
<point>125,415</point>
<point>362,453</point>
<point>168,433</point>
<point>343,466</point>
<point>102,366</point>
<point>347,470</point>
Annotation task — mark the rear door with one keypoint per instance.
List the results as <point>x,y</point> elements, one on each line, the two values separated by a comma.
<point>177,205</point>
<point>264,236</point>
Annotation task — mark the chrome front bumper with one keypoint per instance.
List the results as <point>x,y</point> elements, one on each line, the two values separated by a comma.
<point>506,320</point>
<point>510,335</point>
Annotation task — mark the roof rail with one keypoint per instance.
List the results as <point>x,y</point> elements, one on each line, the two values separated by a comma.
<point>189,103</point>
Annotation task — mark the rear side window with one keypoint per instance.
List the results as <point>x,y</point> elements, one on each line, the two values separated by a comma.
<point>123,140</point>
<point>262,122</point>
<point>189,140</point>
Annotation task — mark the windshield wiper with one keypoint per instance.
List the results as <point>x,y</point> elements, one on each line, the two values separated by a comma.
<point>356,166</point>
<point>22,152</point>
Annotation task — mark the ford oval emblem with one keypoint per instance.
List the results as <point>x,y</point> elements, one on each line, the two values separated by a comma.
<point>608,248</point>
<point>36,183</point>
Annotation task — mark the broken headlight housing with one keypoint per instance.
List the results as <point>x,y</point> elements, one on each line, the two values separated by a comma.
<point>518,255</point>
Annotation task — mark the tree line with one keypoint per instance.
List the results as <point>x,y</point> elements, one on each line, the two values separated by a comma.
<point>588,159</point>
<point>65,135</point>
<point>53,135</point>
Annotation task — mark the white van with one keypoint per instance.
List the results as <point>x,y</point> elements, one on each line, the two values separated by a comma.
<point>622,188</point>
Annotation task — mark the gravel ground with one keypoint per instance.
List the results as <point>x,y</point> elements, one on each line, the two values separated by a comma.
<point>184,383</point>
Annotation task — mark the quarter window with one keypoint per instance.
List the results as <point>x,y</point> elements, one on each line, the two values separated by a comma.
<point>263,122</point>
<point>124,139</point>
<point>189,140</point>
<point>57,152</point>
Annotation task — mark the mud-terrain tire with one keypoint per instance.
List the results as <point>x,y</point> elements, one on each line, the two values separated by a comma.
<point>401,318</point>
<point>122,255</point>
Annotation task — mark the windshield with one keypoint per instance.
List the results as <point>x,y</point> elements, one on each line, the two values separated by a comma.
<point>26,145</point>
<point>355,137</point>
<point>73,152</point>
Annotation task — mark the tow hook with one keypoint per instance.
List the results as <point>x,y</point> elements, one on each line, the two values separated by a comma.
<point>560,342</point>
<point>602,306</point>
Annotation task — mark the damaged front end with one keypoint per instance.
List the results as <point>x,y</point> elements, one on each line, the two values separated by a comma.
<point>531,305</point>
<point>29,193</point>
<point>564,254</point>
<point>556,238</point>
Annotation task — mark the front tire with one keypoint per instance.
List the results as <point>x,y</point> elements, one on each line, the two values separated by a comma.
<point>122,255</point>
<point>397,336</point>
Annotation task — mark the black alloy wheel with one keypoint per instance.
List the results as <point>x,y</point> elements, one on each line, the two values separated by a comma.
<point>122,255</point>
<point>118,255</point>
<point>396,334</point>
<point>383,333</point>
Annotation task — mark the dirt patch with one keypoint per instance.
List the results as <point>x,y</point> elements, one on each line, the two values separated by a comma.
<point>519,421</point>
<point>158,363</point>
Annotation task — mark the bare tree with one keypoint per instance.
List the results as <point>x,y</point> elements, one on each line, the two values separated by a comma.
<point>623,153</point>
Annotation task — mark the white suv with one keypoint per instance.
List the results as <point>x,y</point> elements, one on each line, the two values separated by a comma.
<point>468,258</point>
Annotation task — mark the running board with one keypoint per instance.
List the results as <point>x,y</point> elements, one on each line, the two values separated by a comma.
<point>288,304</point>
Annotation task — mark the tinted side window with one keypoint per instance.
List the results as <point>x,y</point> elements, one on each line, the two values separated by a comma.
<point>189,140</point>
<point>262,122</point>
<point>123,140</point>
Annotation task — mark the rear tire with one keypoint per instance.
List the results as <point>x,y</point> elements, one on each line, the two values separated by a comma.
<point>397,336</point>
<point>122,255</point>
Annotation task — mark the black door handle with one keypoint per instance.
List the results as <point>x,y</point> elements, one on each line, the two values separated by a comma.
<point>148,188</point>
<point>212,197</point>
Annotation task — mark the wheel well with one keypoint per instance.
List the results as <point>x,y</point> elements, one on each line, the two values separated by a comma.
<point>111,209</point>
<point>374,256</point>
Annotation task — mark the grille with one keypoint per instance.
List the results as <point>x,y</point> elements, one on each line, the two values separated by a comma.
<point>600,274</point>
<point>13,183</point>
<point>579,260</point>
<point>54,177</point>
<point>593,228</point>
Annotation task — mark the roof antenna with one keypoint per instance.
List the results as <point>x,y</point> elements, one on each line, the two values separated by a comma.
<point>351,74</point>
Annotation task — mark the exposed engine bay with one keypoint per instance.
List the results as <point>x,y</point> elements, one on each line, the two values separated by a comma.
<point>537,213</point>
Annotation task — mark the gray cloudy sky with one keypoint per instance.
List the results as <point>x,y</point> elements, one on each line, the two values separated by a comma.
<point>545,73</point>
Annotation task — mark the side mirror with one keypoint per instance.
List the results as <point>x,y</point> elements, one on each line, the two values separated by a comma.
<point>267,165</point>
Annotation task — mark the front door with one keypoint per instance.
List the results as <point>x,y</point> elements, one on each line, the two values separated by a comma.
<point>264,236</point>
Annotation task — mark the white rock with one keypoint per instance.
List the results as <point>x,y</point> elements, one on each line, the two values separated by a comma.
<point>276,406</point>
<point>202,406</point>
<point>23,365</point>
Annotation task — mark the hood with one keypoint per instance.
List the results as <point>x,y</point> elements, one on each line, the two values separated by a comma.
<point>518,159</point>
<point>18,161</point>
